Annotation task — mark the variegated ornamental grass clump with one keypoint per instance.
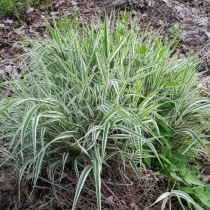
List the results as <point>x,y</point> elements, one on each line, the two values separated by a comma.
<point>111,92</point>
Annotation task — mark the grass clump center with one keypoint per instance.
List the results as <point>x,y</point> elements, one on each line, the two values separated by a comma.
<point>95,94</point>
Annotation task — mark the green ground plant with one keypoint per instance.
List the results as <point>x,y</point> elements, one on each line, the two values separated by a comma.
<point>15,8</point>
<point>109,92</point>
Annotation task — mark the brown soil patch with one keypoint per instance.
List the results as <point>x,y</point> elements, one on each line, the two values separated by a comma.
<point>121,190</point>
<point>7,188</point>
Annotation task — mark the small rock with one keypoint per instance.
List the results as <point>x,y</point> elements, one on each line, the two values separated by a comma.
<point>29,10</point>
<point>9,21</point>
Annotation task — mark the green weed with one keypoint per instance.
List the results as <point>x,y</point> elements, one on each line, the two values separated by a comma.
<point>15,8</point>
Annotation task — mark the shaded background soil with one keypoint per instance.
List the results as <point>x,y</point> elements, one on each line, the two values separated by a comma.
<point>189,18</point>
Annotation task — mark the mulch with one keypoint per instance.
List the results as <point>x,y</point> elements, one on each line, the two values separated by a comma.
<point>121,190</point>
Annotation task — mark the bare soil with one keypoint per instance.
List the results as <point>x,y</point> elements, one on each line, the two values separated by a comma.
<point>190,17</point>
<point>121,190</point>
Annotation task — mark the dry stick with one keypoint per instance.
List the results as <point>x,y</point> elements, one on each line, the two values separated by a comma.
<point>112,194</point>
